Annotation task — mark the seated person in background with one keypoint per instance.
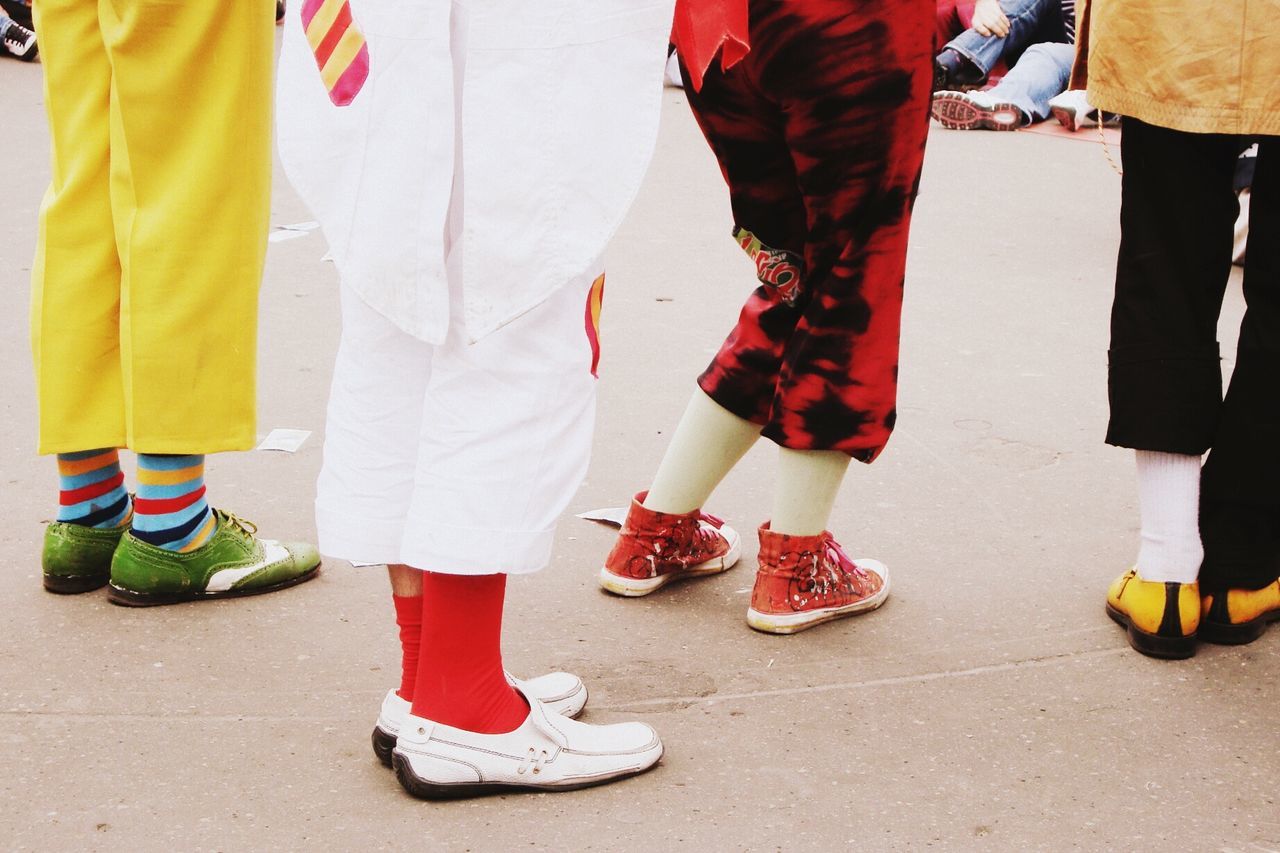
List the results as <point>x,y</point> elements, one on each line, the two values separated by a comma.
<point>998,30</point>
<point>18,10</point>
<point>16,40</point>
<point>1022,96</point>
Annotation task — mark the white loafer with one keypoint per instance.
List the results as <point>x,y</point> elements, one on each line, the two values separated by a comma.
<point>547,752</point>
<point>562,693</point>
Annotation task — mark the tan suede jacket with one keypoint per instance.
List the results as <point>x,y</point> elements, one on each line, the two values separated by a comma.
<point>1183,64</point>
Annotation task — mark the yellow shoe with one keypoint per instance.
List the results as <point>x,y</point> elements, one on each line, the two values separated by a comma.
<point>1161,617</point>
<point>1239,616</point>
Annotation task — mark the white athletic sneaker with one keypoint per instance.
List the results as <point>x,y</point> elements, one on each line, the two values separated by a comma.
<point>976,111</point>
<point>547,752</point>
<point>1073,110</point>
<point>561,692</point>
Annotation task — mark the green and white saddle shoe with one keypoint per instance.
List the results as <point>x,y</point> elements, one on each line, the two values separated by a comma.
<point>232,563</point>
<point>78,558</point>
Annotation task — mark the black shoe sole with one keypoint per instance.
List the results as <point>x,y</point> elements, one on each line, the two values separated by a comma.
<point>1153,645</point>
<point>383,745</point>
<point>424,790</point>
<point>74,584</point>
<point>129,598</point>
<point>1225,634</point>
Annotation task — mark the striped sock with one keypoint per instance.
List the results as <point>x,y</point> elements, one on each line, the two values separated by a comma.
<point>170,511</point>
<point>91,489</point>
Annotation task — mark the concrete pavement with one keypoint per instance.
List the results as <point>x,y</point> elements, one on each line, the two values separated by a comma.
<point>989,706</point>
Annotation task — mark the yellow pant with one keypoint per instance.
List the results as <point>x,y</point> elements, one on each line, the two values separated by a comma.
<point>153,231</point>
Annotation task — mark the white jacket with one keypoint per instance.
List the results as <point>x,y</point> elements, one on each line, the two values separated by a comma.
<point>507,137</point>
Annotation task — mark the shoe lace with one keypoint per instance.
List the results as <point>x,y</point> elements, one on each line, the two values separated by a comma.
<point>828,571</point>
<point>17,36</point>
<point>534,759</point>
<point>838,562</point>
<point>684,542</point>
<point>243,525</point>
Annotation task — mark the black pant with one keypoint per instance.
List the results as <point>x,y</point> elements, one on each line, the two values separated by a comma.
<point>1165,380</point>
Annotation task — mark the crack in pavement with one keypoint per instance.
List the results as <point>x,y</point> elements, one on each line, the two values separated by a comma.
<point>679,702</point>
<point>920,678</point>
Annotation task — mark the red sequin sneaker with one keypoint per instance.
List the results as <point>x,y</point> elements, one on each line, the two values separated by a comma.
<point>656,548</point>
<point>807,580</point>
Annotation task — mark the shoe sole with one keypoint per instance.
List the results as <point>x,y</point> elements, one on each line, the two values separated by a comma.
<point>424,790</point>
<point>129,598</point>
<point>955,112</point>
<point>1153,645</point>
<point>384,742</point>
<point>1066,117</point>
<point>72,584</point>
<point>792,623</point>
<point>1224,634</point>
<point>636,587</point>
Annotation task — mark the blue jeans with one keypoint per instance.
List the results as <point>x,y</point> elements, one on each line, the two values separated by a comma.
<point>1040,73</point>
<point>1030,21</point>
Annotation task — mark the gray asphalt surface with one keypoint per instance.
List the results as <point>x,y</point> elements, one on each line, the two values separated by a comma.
<point>990,705</point>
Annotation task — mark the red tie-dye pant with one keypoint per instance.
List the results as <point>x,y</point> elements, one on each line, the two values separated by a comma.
<point>820,133</point>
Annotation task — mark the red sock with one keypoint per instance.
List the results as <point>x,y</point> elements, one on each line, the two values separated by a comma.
<point>409,618</point>
<point>460,678</point>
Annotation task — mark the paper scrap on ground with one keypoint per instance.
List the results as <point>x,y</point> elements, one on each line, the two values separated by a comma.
<point>365,565</point>
<point>610,515</point>
<point>288,440</point>
<point>289,232</point>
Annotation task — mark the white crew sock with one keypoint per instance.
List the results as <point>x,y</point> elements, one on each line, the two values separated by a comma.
<point>1169,500</point>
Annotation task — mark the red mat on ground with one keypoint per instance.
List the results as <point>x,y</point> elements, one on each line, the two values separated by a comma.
<point>1084,134</point>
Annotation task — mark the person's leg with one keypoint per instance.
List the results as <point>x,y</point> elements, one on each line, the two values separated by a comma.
<point>1019,99</point>
<point>18,10</point>
<point>190,193</point>
<point>372,429</point>
<point>745,131</point>
<point>1240,499</point>
<point>808,482</point>
<point>980,54</point>
<point>91,489</point>
<point>1041,72</point>
<point>372,434</point>
<point>666,535</point>
<point>1177,211</point>
<point>170,510</point>
<point>858,172</point>
<point>406,598</point>
<point>373,425</point>
<point>461,681</point>
<point>1164,380</point>
<point>492,506</point>
<point>491,481</point>
<point>75,301</point>
<point>707,443</point>
<point>75,293</point>
<point>191,245</point>
<point>836,396</point>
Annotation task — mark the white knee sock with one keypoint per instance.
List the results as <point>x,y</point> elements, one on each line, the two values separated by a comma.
<point>808,481</point>
<point>1169,500</point>
<point>707,443</point>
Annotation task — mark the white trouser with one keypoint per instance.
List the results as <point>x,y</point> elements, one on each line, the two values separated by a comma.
<point>456,458</point>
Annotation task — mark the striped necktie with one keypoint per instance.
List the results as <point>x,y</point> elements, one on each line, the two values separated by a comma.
<point>340,49</point>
